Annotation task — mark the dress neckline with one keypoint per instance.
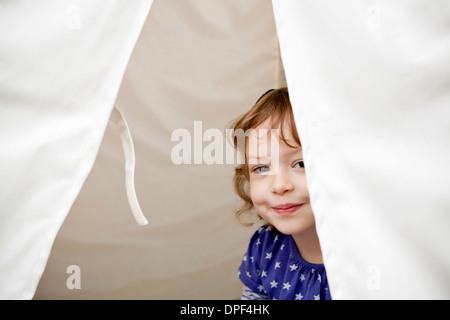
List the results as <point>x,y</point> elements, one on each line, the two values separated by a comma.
<point>296,255</point>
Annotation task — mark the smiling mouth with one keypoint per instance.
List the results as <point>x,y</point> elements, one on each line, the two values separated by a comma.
<point>287,209</point>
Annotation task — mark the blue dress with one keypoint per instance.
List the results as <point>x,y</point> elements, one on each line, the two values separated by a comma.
<point>273,269</point>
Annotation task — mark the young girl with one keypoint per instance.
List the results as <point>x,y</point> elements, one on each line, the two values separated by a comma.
<point>283,260</point>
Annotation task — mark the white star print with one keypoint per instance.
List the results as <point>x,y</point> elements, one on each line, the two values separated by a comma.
<point>293,267</point>
<point>286,285</point>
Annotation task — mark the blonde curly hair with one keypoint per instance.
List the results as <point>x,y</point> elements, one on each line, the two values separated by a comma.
<point>274,105</point>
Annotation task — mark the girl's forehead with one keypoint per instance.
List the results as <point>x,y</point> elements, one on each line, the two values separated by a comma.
<point>268,142</point>
<point>267,134</point>
<point>269,125</point>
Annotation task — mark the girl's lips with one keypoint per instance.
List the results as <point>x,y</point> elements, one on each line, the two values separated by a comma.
<point>286,209</point>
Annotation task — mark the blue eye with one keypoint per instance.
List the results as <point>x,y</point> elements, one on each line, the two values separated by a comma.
<point>261,169</point>
<point>300,164</point>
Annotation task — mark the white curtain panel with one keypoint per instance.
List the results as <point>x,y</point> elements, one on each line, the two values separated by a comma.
<point>370,86</point>
<point>61,65</point>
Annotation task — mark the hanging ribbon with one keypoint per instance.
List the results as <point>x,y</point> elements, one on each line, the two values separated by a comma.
<point>128,149</point>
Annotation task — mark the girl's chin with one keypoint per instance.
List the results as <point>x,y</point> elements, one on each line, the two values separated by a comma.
<point>291,227</point>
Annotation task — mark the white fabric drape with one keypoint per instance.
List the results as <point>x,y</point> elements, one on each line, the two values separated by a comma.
<point>370,86</point>
<point>61,67</point>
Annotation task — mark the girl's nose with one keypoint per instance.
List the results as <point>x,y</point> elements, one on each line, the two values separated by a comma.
<point>281,182</point>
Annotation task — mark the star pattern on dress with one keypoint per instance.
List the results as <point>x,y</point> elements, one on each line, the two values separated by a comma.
<point>272,261</point>
<point>286,285</point>
<point>298,296</point>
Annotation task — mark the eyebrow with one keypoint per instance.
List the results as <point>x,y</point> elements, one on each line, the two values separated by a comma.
<point>257,159</point>
<point>296,149</point>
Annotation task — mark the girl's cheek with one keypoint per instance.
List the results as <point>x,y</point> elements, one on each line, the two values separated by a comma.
<point>257,194</point>
<point>302,185</point>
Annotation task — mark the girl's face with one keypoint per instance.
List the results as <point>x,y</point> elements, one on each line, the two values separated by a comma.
<point>277,181</point>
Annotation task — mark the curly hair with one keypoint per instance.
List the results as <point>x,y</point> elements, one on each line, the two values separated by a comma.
<point>275,105</point>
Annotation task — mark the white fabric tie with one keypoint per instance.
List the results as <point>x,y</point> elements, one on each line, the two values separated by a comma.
<point>128,149</point>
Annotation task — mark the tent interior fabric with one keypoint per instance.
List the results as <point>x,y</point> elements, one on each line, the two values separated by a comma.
<point>193,61</point>
<point>369,83</point>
